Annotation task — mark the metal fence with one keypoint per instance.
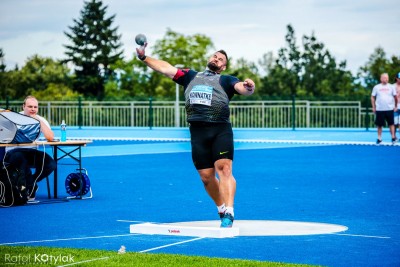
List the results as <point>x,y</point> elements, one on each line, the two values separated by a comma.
<point>244,114</point>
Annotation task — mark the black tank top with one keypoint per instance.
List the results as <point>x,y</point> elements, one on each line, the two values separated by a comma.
<point>207,95</point>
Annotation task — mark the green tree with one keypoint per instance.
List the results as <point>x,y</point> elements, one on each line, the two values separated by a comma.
<point>267,62</point>
<point>321,75</point>
<point>307,71</point>
<point>2,59</point>
<point>54,92</point>
<point>243,69</point>
<point>4,77</point>
<point>95,47</point>
<point>284,76</point>
<point>378,63</point>
<point>42,77</point>
<point>190,51</point>
<point>128,82</point>
<point>8,81</point>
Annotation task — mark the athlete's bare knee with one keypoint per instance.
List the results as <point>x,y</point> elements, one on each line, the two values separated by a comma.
<point>207,176</point>
<point>224,168</point>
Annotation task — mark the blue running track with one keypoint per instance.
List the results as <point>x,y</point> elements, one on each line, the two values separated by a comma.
<point>325,176</point>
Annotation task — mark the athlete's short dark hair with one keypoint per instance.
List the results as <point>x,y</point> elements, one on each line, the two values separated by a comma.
<point>226,56</point>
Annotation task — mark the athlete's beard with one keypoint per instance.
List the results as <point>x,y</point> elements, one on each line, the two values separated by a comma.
<point>213,67</point>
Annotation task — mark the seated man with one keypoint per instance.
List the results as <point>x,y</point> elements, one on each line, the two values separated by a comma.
<point>28,157</point>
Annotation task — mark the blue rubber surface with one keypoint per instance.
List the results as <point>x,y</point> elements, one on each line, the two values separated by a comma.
<point>352,185</point>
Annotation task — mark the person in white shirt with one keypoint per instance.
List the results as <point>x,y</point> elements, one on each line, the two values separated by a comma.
<point>25,158</point>
<point>397,113</point>
<point>384,104</point>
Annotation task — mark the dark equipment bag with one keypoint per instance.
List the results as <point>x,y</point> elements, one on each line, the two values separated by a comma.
<point>13,190</point>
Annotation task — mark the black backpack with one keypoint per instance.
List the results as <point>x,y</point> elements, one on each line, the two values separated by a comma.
<point>13,191</point>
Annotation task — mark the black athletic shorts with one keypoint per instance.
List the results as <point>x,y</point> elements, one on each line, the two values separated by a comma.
<point>210,142</point>
<point>382,116</point>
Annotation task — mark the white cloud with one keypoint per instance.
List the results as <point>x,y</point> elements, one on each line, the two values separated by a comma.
<point>45,44</point>
<point>350,30</point>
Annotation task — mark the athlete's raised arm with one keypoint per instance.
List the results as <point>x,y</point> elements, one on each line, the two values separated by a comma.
<point>158,65</point>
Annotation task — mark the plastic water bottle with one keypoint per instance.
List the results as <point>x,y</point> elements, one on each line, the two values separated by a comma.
<point>63,131</point>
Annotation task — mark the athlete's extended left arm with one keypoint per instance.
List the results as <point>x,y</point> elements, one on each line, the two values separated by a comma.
<point>246,87</point>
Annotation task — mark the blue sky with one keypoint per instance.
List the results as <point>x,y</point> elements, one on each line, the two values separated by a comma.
<point>350,30</point>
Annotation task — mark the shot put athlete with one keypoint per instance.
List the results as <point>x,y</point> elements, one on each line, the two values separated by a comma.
<point>207,96</point>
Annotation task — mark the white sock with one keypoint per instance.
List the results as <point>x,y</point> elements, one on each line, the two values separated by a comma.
<point>222,208</point>
<point>229,210</point>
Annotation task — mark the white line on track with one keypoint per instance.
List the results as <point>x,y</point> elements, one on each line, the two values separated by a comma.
<point>65,239</point>
<point>367,236</point>
<point>170,245</point>
<point>129,221</point>
<point>238,140</point>
<point>132,221</point>
<point>79,262</point>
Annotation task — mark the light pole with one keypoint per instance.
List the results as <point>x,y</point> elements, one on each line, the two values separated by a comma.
<point>177,113</point>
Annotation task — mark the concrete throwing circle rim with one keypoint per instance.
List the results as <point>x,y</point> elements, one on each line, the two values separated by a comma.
<point>273,228</point>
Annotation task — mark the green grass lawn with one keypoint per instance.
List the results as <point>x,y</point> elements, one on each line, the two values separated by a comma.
<point>34,256</point>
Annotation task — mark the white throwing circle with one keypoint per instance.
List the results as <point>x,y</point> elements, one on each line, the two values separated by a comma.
<point>273,228</point>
